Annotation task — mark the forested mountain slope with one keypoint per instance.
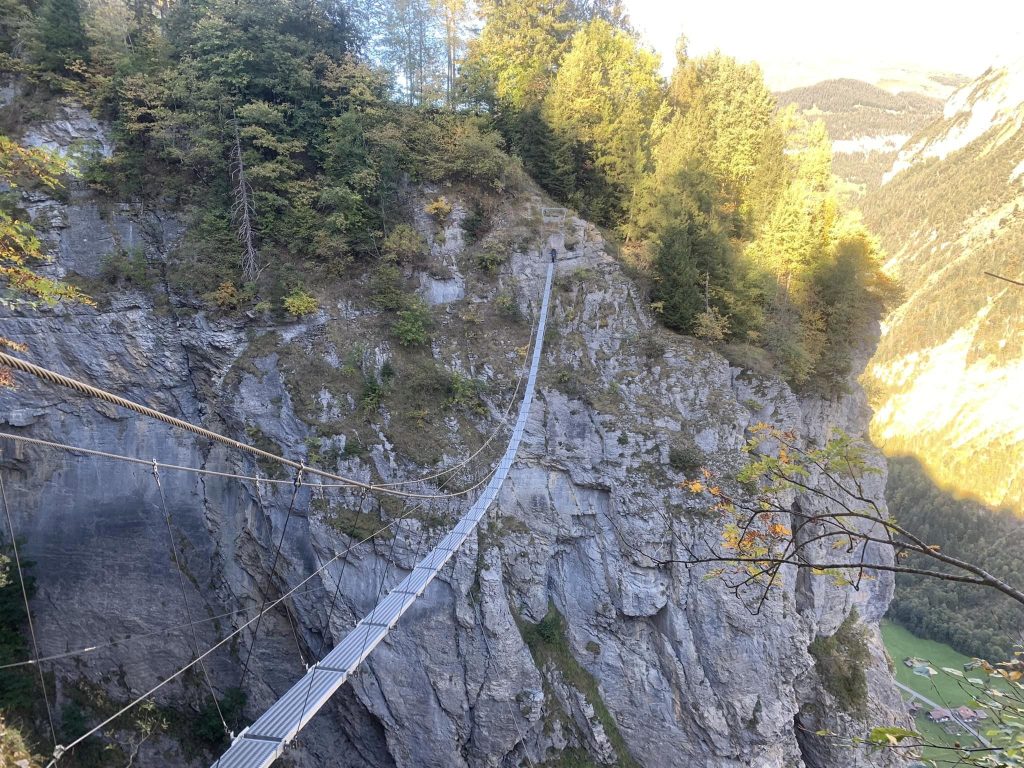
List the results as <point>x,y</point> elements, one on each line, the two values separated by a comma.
<point>947,376</point>
<point>976,622</point>
<point>867,124</point>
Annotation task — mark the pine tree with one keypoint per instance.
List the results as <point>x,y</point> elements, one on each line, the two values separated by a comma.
<point>518,51</point>
<point>60,35</point>
<point>605,96</point>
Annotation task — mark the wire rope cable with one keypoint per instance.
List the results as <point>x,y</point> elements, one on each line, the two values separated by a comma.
<point>78,652</point>
<point>523,374</point>
<point>287,611</point>
<point>53,377</point>
<point>28,613</point>
<point>228,638</point>
<point>297,483</point>
<point>195,470</point>
<point>343,481</point>
<point>184,596</point>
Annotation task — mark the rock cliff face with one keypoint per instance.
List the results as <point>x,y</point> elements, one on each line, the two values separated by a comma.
<point>552,638</point>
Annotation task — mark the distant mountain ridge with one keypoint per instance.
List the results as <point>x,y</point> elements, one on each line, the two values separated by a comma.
<point>867,124</point>
<point>947,378</point>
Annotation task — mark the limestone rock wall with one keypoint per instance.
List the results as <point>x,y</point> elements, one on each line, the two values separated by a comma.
<point>641,664</point>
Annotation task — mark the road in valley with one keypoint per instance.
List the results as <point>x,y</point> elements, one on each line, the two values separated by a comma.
<point>915,695</point>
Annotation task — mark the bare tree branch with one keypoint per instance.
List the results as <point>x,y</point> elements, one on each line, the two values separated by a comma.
<point>244,212</point>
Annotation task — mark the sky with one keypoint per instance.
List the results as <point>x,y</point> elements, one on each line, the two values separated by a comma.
<point>802,41</point>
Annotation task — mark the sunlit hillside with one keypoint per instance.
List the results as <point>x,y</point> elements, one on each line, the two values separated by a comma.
<point>949,371</point>
<point>867,125</point>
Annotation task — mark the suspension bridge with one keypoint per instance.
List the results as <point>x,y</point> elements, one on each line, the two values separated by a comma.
<point>262,742</point>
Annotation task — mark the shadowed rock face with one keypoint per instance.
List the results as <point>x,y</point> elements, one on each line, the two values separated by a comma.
<point>656,663</point>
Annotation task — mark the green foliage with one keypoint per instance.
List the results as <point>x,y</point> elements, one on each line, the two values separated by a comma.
<point>126,268</point>
<point>464,392</point>
<point>372,396</point>
<point>13,749</point>
<point>727,202</point>
<point>18,686</point>
<point>840,660</point>
<point>508,306</point>
<point>738,224</point>
<point>20,248</point>
<point>604,98</point>
<point>439,208</point>
<point>411,327</point>
<point>972,621</point>
<point>476,223</point>
<point>60,37</point>
<point>689,243</point>
<point>570,384</point>
<point>711,326</point>
<point>208,727</point>
<point>549,645</point>
<point>404,244</point>
<point>299,303</point>
<point>685,456</point>
<point>958,681</point>
<point>518,50</point>
<point>491,258</point>
<point>387,288</point>
<point>226,296</point>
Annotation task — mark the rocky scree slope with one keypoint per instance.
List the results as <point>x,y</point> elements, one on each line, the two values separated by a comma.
<point>551,638</point>
<point>947,375</point>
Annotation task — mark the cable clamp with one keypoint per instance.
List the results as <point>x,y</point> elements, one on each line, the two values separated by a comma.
<point>156,470</point>
<point>298,475</point>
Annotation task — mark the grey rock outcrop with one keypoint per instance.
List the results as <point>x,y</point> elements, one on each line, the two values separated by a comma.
<point>554,629</point>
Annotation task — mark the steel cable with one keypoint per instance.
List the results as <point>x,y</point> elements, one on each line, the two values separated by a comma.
<point>184,596</point>
<point>297,483</point>
<point>28,611</point>
<point>86,389</point>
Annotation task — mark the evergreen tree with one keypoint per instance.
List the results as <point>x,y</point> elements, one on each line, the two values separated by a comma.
<point>60,35</point>
<point>604,97</point>
<point>518,51</point>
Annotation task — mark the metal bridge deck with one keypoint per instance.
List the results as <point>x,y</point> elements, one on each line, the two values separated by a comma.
<point>263,741</point>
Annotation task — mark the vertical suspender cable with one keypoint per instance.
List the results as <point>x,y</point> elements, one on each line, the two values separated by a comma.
<point>184,599</point>
<point>270,578</point>
<point>28,614</point>
<point>330,613</point>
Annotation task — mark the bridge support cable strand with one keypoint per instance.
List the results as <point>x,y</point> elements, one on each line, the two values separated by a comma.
<point>330,615</point>
<point>383,581</point>
<point>184,599</point>
<point>287,610</point>
<point>220,643</point>
<point>28,616</point>
<point>334,599</point>
<point>380,589</point>
<point>131,638</point>
<point>490,437</point>
<point>86,389</point>
<point>325,625</point>
<point>265,740</point>
<point>296,484</point>
<point>147,462</point>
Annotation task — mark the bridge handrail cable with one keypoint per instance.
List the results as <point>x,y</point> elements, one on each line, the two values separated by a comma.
<point>263,741</point>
